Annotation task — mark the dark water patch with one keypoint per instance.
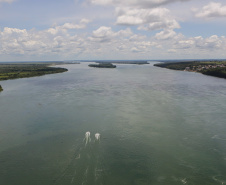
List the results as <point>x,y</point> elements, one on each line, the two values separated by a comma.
<point>38,161</point>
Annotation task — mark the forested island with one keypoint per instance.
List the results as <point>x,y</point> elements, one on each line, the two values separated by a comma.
<point>103,65</point>
<point>138,62</point>
<point>1,89</point>
<point>212,68</point>
<point>24,70</point>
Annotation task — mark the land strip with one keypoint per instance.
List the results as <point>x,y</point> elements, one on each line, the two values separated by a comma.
<point>24,70</point>
<point>212,68</point>
<point>103,65</point>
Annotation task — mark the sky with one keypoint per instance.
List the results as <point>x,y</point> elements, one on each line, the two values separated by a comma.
<point>56,30</point>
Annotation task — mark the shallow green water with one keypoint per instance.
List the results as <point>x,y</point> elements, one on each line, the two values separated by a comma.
<point>157,127</point>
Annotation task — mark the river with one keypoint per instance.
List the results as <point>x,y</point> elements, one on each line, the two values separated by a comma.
<point>157,127</point>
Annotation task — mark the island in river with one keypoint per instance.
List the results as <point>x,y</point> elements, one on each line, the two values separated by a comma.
<point>24,70</point>
<point>103,65</point>
<point>212,68</point>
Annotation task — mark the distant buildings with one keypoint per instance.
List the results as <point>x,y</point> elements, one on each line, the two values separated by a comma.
<point>203,67</point>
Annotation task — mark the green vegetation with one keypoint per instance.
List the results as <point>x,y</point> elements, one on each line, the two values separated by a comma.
<point>218,72</point>
<point>183,65</point>
<point>176,65</point>
<point>138,62</point>
<point>103,65</point>
<point>131,62</point>
<point>212,68</point>
<point>1,89</point>
<point>24,70</point>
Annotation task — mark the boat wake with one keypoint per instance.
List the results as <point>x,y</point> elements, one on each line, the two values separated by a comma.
<point>85,167</point>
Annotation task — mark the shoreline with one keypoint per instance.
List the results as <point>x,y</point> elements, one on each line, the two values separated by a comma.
<point>25,70</point>
<point>210,68</point>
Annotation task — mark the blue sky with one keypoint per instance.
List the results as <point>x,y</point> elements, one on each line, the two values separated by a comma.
<point>32,30</point>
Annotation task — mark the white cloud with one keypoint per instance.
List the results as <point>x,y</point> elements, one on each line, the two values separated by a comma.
<point>67,26</point>
<point>10,31</point>
<point>105,34</point>
<point>85,21</point>
<point>165,34</point>
<point>135,49</point>
<point>212,10</point>
<point>135,3</point>
<point>212,43</point>
<point>102,2</point>
<point>104,43</point>
<point>7,1</point>
<point>186,44</point>
<point>147,19</point>
<point>39,43</point>
<point>171,51</point>
<point>81,25</point>
<point>145,14</point>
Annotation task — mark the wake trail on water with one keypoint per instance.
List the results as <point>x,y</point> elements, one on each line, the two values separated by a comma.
<point>218,137</point>
<point>85,167</point>
<point>97,137</point>
<point>220,179</point>
<point>87,138</point>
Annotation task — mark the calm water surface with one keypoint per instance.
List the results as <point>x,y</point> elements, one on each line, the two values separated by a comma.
<point>157,127</point>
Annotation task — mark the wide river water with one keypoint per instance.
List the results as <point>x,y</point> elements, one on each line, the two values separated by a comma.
<point>156,126</point>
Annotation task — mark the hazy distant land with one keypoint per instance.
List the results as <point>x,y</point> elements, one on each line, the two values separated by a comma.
<point>212,68</point>
<point>138,62</point>
<point>24,69</point>
<point>9,70</point>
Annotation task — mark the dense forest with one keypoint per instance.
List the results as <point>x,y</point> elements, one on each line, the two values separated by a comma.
<point>13,71</point>
<point>218,72</point>
<point>103,65</point>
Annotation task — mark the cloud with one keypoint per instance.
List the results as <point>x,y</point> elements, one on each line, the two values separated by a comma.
<point>212,43</point>
<point>67,26</point>
<point>105,43</point>
<point>105,34</point>
<point>10,31</point>
<point>212,10</point>
<point>39,43</point>
<point>7,1</point>
<point>135,3</point>
<point>186,44</point>
<point>146,19</point>
<point>10,40</point>
<point>165,34</point>
<point>145,14</point>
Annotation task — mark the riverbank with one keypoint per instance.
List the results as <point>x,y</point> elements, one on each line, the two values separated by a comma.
<point>25,70</point>
<point>211,68</point>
